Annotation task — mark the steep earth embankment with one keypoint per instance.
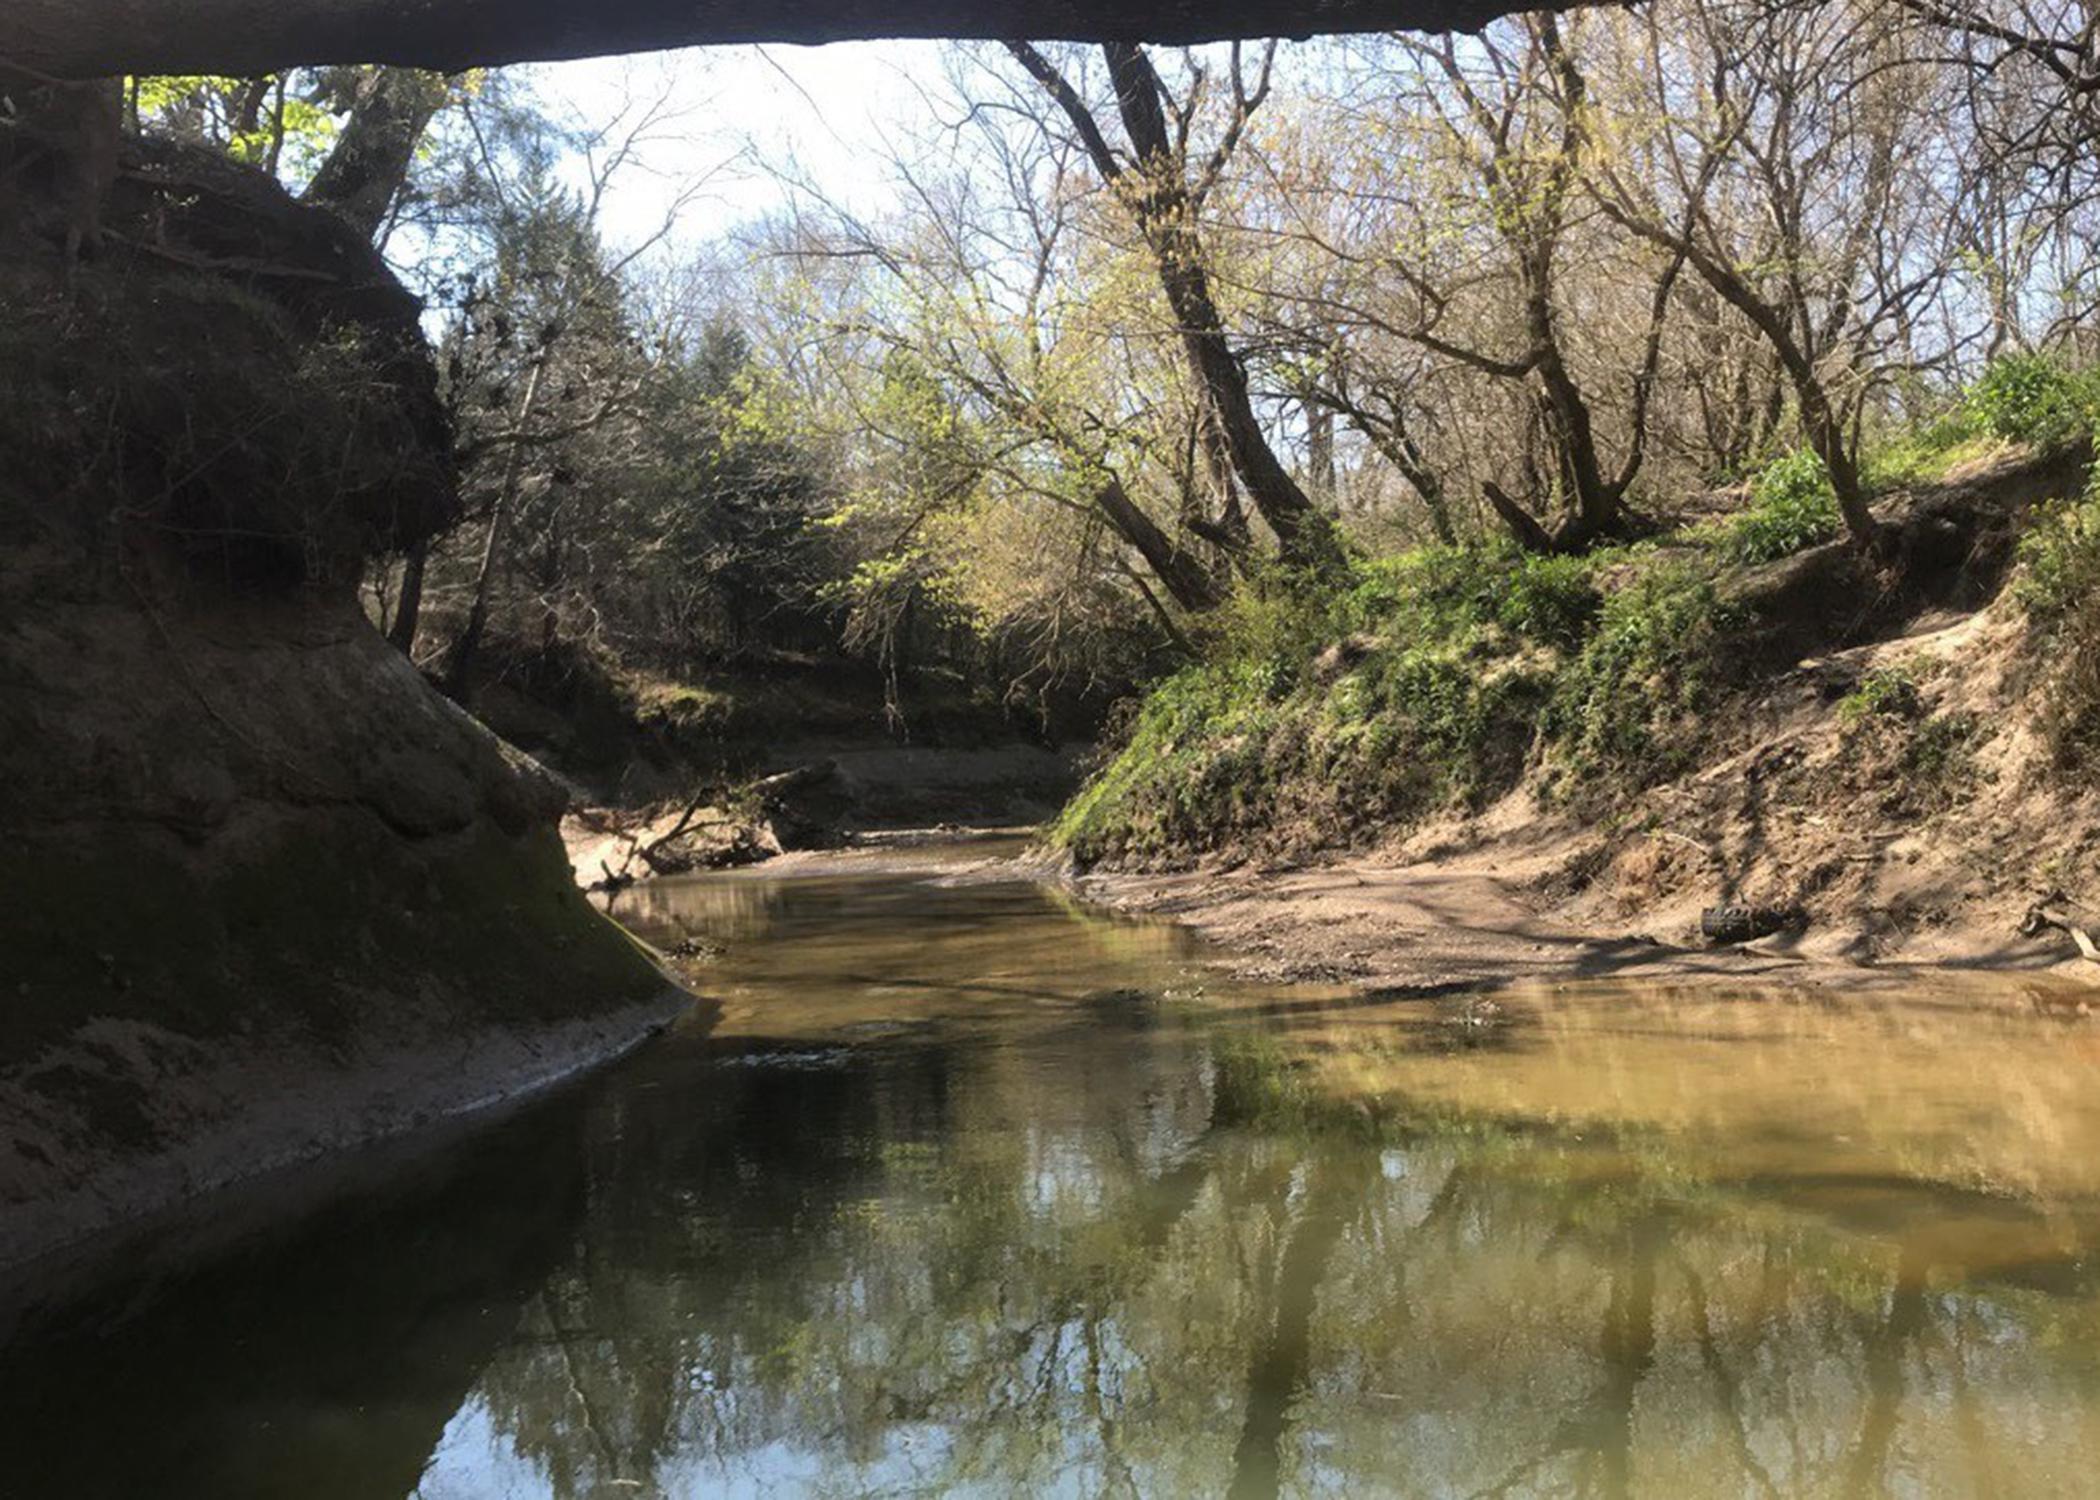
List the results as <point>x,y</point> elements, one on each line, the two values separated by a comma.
<point>263,893</point>
<point>1865,749</point>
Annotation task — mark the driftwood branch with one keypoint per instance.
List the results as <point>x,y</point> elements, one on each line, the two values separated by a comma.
<point>767,793</point>
<point>2041,918</point>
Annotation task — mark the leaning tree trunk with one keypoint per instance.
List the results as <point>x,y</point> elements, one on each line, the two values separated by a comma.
<point>1305,534</point>
<point>1183,575</point>
<point>461,660</point>
<point>365,171</point>
<point>1826,436</point>
<point>1599,511</point>
<point>1166,215</point>
<point>408,611</point>
<point>1400,450</point>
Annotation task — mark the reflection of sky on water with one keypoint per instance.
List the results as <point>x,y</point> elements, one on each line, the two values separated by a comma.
<point>1061,1239</point>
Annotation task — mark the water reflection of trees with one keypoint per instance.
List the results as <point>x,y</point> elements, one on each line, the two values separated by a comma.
<point>848,937</point>
<point>319,1358</point>
<point>1067,1268</point>
<point>1100,1245</point>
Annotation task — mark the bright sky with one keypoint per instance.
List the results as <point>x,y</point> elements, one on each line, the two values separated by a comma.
<point>821,111</point>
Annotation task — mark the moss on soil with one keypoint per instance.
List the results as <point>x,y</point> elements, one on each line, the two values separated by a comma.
<point>335,935</point>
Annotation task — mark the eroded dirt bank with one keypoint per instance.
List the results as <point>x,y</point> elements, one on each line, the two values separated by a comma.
<point>1874,764</point>
<point>1892,867</point>
<point>264,895</point>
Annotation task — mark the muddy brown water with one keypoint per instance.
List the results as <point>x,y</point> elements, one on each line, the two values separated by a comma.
<point>976,1191</point>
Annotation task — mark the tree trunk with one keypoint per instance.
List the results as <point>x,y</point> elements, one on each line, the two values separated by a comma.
<point>463,649</point>
<point>1182,574</point>
<point>1826,435</point>
<point>1165,213</point>
<point>1319,451</point>
<point>1522,524</point>
<point>365,171</point>
<point>1229,531</point>
<point>1597,510</point>
<point>408,610</point>
<point>1399,450</point>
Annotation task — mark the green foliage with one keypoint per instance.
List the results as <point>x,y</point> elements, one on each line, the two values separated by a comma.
<point>1920,761</point>
<point>2034,398</point>
<point>2060,562</point>
<point>264,453</point>
<point>724,517</point>
<point>2024,398</point>
<point>1886,692</point>
<point>1175,777</point>
<point>1792,506</point>
<point>1432,678</point>
<point>1425,680</point>
<point>1272,623</point>
<point>2058,585</point>
<point>1624,703</point>
<point>290,121</point>
<point>1448,593</point>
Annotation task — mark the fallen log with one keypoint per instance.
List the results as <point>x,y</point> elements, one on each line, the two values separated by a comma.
<point>798,779</point>
<point>1723,925</point>
<point>2042,918</point>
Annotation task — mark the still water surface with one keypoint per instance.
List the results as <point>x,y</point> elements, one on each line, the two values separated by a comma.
<point>974,1191</point>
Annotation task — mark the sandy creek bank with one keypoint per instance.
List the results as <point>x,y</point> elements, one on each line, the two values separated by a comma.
<point>1893,880</point>
<point>1424,918</point>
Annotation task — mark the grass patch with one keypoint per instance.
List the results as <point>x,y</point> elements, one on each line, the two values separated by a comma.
<point>1886,692</point>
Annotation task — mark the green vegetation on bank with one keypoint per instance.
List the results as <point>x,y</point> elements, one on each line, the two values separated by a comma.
<point>1438,677</point>
<point>2059,586</point>
<point>1423,681</point>
<point>2037,400</point>
<point>2032,399</point>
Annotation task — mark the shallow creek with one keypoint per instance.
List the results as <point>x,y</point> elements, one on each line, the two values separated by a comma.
<point>975,1191</point>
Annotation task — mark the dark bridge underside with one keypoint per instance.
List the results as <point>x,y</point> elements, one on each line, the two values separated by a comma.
<point>92,38</point>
